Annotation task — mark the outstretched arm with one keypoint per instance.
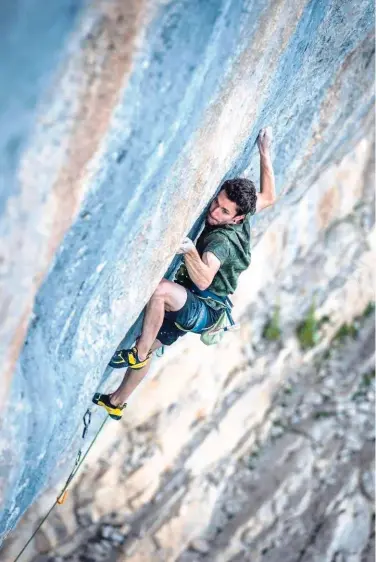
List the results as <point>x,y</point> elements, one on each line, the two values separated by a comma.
<point>266,196</point>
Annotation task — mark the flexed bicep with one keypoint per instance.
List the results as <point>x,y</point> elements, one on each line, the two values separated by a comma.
<point>213,264</point>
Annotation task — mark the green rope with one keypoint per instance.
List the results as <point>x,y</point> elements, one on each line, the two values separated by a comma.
<point>69,480</point>
<point>35,532</point>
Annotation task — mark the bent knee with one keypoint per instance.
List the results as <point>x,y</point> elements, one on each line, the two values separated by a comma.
<point>164,289</point>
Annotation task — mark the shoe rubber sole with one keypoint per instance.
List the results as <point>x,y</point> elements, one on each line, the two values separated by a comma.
<point>114,412</point>
<point>122,364</point>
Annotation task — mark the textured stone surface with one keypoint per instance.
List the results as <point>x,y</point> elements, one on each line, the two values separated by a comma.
<point>115,139</point>
<point>294,478</point>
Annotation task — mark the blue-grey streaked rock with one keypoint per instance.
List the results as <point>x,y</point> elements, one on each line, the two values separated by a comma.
<point>119,121</point>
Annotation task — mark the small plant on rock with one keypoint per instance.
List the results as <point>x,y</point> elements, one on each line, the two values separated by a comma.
<point>344,331</point>
<point>308,330</point>
<point>352,330</point>
<point>272,330</point>
<point>370,308</point>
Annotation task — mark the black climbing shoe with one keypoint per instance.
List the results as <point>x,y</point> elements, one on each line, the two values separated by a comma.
<point>115,412</point>
<point>128,358</point>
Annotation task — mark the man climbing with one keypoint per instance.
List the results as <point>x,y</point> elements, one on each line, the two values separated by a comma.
<point>197,297</point>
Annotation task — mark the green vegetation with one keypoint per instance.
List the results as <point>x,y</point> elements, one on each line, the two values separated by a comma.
<point>324,320</point>
<point>323,414</point>
<point>307,331</point>
<point>287,389</point>
<point>344,331</point>
<point>368,378</point>
<point>272,330</point>
<point>364,385</point>
<point>255,454</point>
<point>370,308</point>
<point>252,458</point>
<point>351,330</point>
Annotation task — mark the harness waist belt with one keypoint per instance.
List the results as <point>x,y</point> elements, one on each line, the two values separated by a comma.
<point>224,301</point>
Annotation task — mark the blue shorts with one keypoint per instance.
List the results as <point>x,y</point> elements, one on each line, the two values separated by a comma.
<point>196,316</point>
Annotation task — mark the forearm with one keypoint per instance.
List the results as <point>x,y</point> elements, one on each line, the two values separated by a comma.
<point>267,181</point>
<point>198,271</point>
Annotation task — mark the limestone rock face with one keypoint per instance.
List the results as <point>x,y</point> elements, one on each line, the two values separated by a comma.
<point>119,120</point>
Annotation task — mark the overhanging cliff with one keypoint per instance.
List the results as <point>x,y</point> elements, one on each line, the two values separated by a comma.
<point>118,126</point>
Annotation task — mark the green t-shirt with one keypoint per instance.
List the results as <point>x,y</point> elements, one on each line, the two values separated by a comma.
<point>231,245</point>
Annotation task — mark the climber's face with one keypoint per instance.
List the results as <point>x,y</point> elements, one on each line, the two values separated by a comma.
<point>223,211</point>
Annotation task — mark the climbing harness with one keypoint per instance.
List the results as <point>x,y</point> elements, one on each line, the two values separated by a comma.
<point>224,323</point>
<point>77,463</point>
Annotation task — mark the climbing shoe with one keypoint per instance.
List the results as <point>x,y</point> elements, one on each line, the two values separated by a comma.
<point>115,412</point>
<point>128,358</point>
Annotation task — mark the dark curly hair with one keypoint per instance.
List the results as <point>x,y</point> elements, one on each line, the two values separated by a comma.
<point>242,192</point>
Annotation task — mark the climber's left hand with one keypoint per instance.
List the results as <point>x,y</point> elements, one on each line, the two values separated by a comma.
<point>186,246</point>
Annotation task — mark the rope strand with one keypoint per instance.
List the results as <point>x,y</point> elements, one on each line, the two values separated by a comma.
<point>78,462</point>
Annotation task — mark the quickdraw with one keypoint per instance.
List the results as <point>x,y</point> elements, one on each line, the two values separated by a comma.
<point>77,463</point>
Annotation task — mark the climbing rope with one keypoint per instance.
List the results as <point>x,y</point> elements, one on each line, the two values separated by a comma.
<point>77,463</point>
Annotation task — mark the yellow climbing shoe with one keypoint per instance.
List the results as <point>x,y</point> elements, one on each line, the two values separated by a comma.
<point>115,412</point>
<point>128,358</point>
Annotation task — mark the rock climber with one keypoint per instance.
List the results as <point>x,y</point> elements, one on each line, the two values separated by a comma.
<point>208,274</point>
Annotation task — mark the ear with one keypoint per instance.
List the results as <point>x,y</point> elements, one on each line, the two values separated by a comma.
<point>238,219</point>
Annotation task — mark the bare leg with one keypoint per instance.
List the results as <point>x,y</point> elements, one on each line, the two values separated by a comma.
<point>153,320</point>
<point>168,296</point>
<point>131,380</point>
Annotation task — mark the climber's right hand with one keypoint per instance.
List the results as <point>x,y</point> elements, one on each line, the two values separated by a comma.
<point>264,140</point>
